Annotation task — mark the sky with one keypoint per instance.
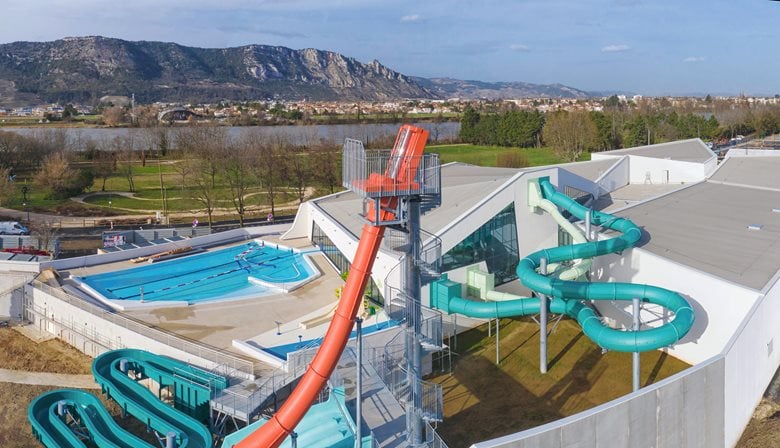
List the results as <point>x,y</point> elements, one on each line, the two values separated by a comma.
<point>650,47</point>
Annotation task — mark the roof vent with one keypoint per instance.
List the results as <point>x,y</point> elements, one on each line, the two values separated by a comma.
<point>755,226</point>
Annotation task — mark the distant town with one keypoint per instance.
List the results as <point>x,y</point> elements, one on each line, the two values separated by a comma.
<point>122,110</point>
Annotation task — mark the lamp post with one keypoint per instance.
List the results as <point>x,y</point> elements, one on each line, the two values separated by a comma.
<point>25,191</point>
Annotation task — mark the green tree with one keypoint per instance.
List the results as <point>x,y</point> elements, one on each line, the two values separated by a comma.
<point>613,102</point>
<point>607,139</point>
<point>468,124</point>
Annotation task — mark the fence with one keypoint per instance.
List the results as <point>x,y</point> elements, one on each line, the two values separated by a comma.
<point>432,438</point>
<point>13,242</point>
<point>214,355</point>
<point>151,235</point>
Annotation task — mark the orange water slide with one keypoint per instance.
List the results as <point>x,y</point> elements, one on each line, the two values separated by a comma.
<point>405,158</point>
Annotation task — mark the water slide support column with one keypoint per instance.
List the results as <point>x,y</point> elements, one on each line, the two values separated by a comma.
<point>498,324</point>
<point>412,284</point>
<point>635,355</point>
<point>359,385</point>
<point>588,226</point>
<point>543,322</point>
<point>170,440</point>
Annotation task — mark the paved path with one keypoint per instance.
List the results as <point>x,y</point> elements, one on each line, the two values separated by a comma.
<point>48,379</point>
<point>90,221</point>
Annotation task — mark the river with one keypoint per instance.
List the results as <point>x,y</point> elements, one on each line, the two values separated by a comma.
<point>445,131</point>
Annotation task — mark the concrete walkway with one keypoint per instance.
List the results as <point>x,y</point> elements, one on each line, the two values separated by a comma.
<point>48,379</point>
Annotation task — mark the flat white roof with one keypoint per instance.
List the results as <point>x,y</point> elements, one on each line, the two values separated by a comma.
<point>463,186</point>
<point>693,150</point>
<point>758,171</point>
<point>705,226</point>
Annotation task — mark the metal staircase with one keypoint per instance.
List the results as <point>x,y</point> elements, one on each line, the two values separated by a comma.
<point>397,187</point>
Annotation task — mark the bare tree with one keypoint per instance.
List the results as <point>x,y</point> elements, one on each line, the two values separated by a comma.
<point>269,162</point>
<point>299,170</point>
<point>207,143</point>
<point>205,191</point>
<point>104,165</point>
<point>25,152</point>
<point>55,174</point>
<point>184,168</point>
<point>114,116</point>
<point>7,187</point>
<point>570,134</point>
<point>124,147</point>
<point>46,232</point>
<point>236,169</point>
<point>327,158</point>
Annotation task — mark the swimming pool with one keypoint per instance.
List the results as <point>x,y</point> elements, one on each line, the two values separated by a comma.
<point>247,270</point>
<point>281,351</point>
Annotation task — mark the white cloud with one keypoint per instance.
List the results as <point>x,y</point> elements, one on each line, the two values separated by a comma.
<point>519,47</point>
<point>615,48</point>
<point>411,18</point>
<point>694,59</point>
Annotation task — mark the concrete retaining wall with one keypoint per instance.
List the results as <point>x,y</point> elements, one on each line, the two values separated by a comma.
<point>10,296</point>
<point>683,411</point>
<point>752,358</point>
<point>95,331</point>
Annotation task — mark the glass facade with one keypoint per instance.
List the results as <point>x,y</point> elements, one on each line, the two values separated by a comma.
<point>321,240</point>
<point>495,243</point>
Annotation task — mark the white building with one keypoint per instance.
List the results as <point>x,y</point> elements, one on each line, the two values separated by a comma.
<point>697,220</point>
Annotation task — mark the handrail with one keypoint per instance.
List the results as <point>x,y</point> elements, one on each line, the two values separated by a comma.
<point>195,348</point>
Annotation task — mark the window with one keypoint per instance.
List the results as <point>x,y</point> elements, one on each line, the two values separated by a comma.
<point>495,243</point>
<point>321,240</point>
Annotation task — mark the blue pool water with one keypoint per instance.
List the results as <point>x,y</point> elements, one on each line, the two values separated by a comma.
<point>281,351</point>
<point>226,273</point>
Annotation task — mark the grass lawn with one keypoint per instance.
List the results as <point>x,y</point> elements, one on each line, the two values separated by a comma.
<point>484,401</point>
<point>488,155</point>
<point>20,353</point>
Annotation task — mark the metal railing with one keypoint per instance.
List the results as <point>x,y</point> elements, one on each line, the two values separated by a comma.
<point>431,324</point>
<point>363,169</point>
<point>195,348</point>
<point>389,365</point>
<point>432,438</point>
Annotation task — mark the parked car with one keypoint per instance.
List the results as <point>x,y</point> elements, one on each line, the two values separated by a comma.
<point>13,228</point>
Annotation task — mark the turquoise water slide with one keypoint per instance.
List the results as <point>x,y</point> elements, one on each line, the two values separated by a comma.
<point>571,297</point>
<point>52,430</point>
<point>118,372</point>
<point>191,391</point>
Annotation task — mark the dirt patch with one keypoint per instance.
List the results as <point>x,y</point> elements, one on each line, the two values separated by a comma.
<point>483,401</point>
<point>15,429</point>
<point>75,244</point>
<point>21,353</point>
<point>763,430</point>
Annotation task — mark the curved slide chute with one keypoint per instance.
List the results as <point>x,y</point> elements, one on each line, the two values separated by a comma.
<point>54,415</point>
<point>111,372</point>
<point>52,430</point>
<point>570,297</point>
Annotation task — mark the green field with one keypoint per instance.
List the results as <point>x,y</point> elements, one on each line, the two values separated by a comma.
<point>488,155</point>
<point>147,196</point>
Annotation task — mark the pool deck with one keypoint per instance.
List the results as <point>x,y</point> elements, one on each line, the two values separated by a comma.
<point>218,323</point>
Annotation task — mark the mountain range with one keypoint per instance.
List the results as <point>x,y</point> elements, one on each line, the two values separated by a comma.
<point>84,69</point>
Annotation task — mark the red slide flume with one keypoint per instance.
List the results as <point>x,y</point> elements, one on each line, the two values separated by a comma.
<point>401,170</point>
